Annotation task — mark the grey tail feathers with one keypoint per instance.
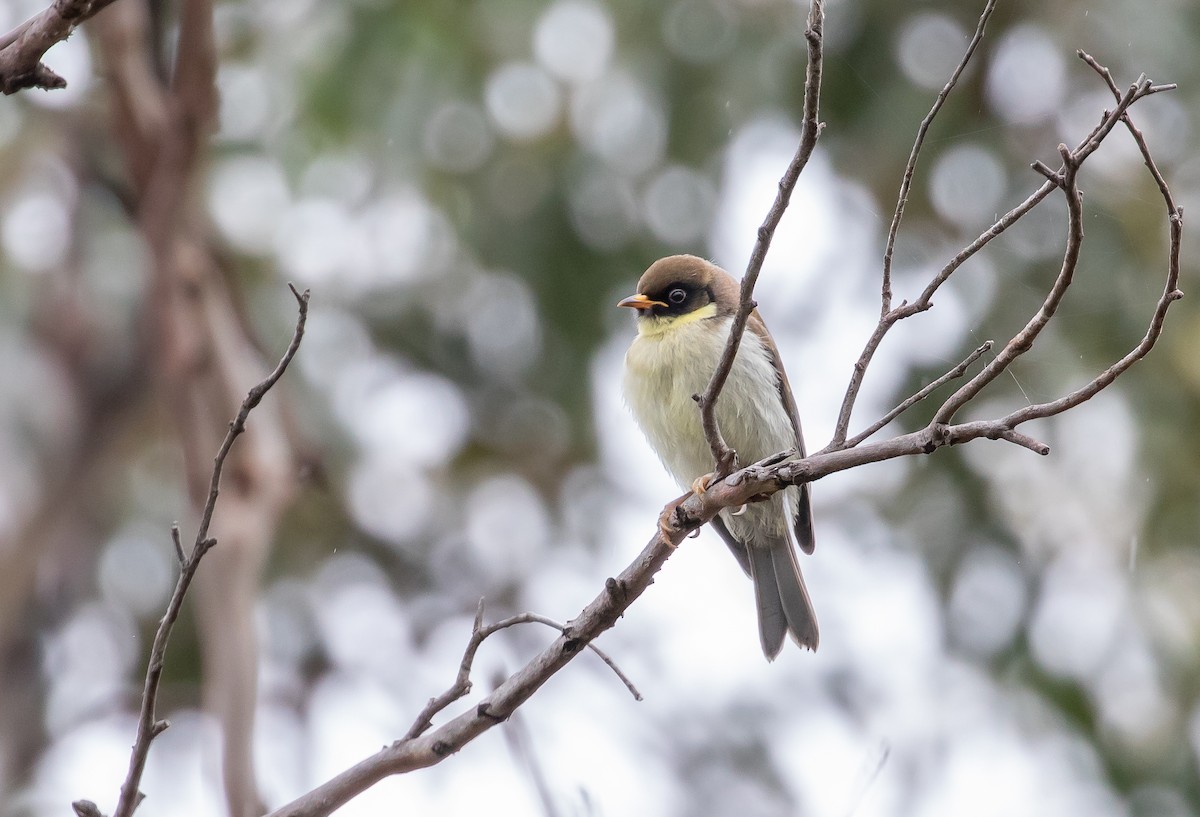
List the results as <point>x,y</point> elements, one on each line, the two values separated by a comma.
<point>802,524</point>
<point>783,603</point>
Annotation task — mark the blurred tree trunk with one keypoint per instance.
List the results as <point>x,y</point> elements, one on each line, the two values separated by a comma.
<point>205,358</point>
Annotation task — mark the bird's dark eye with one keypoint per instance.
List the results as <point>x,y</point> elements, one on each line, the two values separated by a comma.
<point>677,295</point>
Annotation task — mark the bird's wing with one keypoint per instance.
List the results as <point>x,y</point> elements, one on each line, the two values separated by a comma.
<point>802,524</point>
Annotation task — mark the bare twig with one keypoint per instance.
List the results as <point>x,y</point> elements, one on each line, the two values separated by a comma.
<point>724,457</point>
<point>534,618</point>
<point>254,397</point>
<point>1023,340</point>
<point>1137,135</point>
<point>149,726</point>
<point>918,143</point>
<point>1025,441</point>
<point>887,315</point>
<point>175,540</point>
<point>461,685</point>
<point>479,634</point>
<point>955,373</point>
<point>22,48</point>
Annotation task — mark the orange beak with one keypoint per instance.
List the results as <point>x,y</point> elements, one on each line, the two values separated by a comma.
<point>639,302</point>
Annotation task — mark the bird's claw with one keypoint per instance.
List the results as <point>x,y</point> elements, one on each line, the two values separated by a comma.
<point>664,524</point>
<point>739,511</point>
<point>700,484</point>
<point>668,520</point>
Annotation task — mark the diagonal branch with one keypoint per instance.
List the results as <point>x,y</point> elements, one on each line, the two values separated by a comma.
<point>1023,341</point>
<point>149,726</point>
<point>724,457</point>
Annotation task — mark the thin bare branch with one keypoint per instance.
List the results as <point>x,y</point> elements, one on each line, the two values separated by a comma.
<point>178,543</point>
<point>254,397</point>
<point>534,618</point>
<point>1171,293</point>
<point>1137,135</point>
<point>955,373</point>
<point>149,726</point>
<point>462,681</point>
<point>1052,176</point>
<point>724,457</point>
<point>479,634</point>
<point>22,48</point>
<point>918,143</point>
<point>1025,441</point>
<point>434,746</point>
<point>923,303</point>
<point>888,316</point>
<point>1023,341</point>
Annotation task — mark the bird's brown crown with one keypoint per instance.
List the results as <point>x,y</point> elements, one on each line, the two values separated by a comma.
<point>681,284</point>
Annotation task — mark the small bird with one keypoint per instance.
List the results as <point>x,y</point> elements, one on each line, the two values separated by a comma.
<point>685,306</point>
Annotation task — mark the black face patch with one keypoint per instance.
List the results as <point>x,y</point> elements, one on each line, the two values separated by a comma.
<point>680,299</point>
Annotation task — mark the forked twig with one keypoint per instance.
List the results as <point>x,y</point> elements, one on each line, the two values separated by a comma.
<point>888,316</point>
<point>462,681</point>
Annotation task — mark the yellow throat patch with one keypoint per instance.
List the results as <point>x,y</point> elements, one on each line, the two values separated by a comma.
<point>651,327</point>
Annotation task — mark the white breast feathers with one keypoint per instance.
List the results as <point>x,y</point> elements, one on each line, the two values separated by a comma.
<point>664,368</point>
